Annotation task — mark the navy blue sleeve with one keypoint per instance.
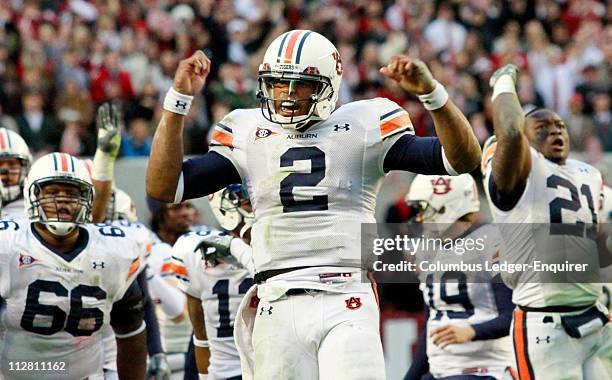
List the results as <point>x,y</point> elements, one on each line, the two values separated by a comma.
<point>500,326</point>
<point>504,201</point>
<point>420,362</point>
<point>154,345</point>
<point>421,155</point>
<point>206,174</point>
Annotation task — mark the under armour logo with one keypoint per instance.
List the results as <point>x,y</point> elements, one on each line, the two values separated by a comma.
<point>180,103</point>
<point>96,265</point>
<point>344,127</point>
<point>262,309</point>
<point>538,339</point>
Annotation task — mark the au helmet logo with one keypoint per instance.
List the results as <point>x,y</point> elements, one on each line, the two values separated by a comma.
<point>353,303</point>
<point>441,185</point>
<point>262,133</point>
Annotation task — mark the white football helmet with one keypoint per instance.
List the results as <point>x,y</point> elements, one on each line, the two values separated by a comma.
<point>443,199</point>
<point>300,55</point>
<point>13,146</point>
<point>120,207</point>
<point>58,168</point>
<point>227,208</point>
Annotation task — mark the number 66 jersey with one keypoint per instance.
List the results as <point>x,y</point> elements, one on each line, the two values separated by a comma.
<point>311,190</point>
<point>57,303</point>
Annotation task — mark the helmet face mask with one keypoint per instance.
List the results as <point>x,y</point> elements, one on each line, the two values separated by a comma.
<point>120,207</point>
<point>58,193</point>
<point>300,59</point>
<point>61,211</point>
<point>232,208</point>
<point>15,162</point>
<point>292,99</point>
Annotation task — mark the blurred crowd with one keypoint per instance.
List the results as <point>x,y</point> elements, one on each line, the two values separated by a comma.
<point>59,59</point>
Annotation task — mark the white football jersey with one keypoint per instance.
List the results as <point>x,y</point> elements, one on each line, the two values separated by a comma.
<point>453,300</point>
<point>14,210</point>
<point>221,288</point>
<point>56,305</point>
<point>312,190</point>
<point>553,194</point>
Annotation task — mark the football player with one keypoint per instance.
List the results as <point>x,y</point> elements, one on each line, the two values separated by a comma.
<point>215,284</point>
<point>121,212</point>
<point>15,162</point>
<point>63,279</point>
<point>558,328</point>
<point>312,176</point>
<point>467,316</point>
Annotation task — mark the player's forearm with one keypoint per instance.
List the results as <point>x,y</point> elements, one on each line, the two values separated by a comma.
<point>511,162</point>
<point>102,194</point>
<point>166,159</point>
<point>202,355</point>
<point>455,133</point>
<point>132,357</point>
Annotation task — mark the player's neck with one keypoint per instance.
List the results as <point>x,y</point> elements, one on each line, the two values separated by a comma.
<point>168,237</point>
<point>59,243</point>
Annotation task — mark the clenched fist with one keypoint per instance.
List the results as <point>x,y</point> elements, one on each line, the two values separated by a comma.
<point>191,74</point>
<point>412,74</point>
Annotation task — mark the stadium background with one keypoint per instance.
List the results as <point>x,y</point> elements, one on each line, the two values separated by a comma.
<point>60,59</point>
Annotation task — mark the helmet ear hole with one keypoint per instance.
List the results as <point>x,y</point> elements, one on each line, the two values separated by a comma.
<point>442,209</point>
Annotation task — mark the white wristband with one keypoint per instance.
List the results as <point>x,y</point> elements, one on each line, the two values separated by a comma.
<point>202,376</point>
<point>202,343</point>
<point>505,84</point>
<point>176,102</point>
<point>435,99</point>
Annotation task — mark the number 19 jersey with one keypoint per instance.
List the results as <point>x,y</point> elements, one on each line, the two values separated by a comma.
<point>311,190</point>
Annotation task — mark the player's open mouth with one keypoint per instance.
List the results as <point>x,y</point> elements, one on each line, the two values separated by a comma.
<point>558,143</point>
<point>289,107</point>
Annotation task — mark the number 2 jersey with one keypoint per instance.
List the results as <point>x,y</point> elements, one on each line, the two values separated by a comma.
<point>220,287</point>
<point>554,194</point>
<point>312,190</point>
<point>56,304</point>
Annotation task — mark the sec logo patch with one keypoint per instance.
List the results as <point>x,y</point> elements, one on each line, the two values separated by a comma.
<point>262,133</point>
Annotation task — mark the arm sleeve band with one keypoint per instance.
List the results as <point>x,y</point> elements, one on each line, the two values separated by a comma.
<point>500,326</point>
<point>204,175</point>
<point>244,254</point>
<point>422,155</point>
<point>172,301</point>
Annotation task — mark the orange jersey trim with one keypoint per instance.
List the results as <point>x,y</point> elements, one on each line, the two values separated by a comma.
<point>223,138</point>
<point>394,124</point>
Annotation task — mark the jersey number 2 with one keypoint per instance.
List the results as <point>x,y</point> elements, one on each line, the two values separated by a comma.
<point>78,318</point>
<point>317,172</point>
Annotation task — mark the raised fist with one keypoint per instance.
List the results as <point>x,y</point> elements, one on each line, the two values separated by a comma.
<point>412,74</point>
<point>191,74</point>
